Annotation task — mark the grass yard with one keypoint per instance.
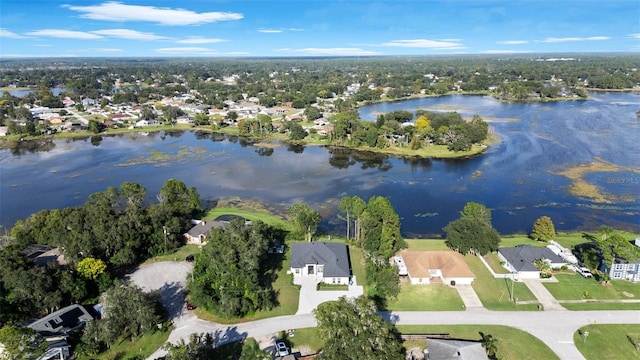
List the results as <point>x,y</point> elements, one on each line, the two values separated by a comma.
<point>358,266</point>
<point>305,338</point>
<point>494,293</point>
<point>513,344</point>
<point>607,341</point>
<point>494,261</point>
<point>432,297</point>
<point>601,306</point>
<point>426,245</point>
<point>573,286</point>
<point>250,214</point>
<point>178,255</point>
<point>141,348</point>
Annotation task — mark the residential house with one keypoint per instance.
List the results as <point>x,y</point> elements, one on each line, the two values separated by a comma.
<point>62,322</point>
<point>56,350</point>
<point>89,102</point>
<point>520,260</point>
<point>445,349</point>
<point>51,256</point>
<point>623,270</point>
<point>426,267</point>
<point>199,232</point>
<point>326,262</point>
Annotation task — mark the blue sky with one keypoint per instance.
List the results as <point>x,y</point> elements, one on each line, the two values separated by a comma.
<point>210,28</point>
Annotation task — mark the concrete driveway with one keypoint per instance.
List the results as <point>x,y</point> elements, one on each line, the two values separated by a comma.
<point>168,277</point>
<point>310,298</point>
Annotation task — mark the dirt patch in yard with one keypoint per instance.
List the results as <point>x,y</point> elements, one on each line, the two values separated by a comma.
<point>627,294</point>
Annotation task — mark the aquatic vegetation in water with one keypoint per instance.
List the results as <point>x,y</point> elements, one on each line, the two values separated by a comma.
<point>159,158</point>
<point>581,187</point>
<point>426,215</point>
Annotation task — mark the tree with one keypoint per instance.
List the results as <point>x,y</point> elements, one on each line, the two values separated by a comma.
<point>490,344</point>
<point>127,310</point>
<point>543,229</point>
<point>381,228</point>
<point>312,113</point>
<point>346,206</point>
<point>476,211</point>
<point>91,268</point>
<point>20,343</point>
<point>251,351</point>
<point>305,218</point>
<point>471,235</point>
<point>296,132</point>
<point>199,347</point>
<point>351,329</point>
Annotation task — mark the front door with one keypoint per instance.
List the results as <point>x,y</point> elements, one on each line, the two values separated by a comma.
<point>310,270</point>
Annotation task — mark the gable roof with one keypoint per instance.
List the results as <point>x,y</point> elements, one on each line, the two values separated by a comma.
<point>62,321</point>
<point>333,256</point>
<point>450,263</point>
<point>442,349</point>
<point>522,256</point>
<point>204,228</point>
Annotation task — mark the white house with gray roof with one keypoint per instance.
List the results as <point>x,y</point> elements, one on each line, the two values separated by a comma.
<point>326,262</point>
<point>520,260</point>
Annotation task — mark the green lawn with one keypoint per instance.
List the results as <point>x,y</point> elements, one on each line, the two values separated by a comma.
<point>358,266</point>
<point>307,337</point>
<point>513,344</point>
<point>573,286</point>
<point>426,245</point>
<point>432,297</point>
<point>601,306</point>
<point>141,348</point>
<point>494,293</point>
<point>250,214</point>
<point>607,341</point>
<point>178,255</point>
<point>494,261</point>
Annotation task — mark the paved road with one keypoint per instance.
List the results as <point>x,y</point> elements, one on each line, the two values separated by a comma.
<point>554,328</point>
<point>82,119</point>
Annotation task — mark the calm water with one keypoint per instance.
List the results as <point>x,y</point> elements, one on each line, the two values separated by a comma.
<point>516,178</point>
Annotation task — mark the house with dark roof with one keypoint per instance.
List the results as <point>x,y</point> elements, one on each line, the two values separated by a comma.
<point>199,232</point>
<point>520,260</point>
<point>62,322</point>
<point>326,262</point>
<point>445,349</point>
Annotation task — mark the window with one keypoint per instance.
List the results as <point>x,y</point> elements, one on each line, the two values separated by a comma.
<point>617,275</point>
<point>297,270</point>
<point>320,268</point>
<point>618,266</point>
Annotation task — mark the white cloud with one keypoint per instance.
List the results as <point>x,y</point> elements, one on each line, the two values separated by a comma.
<point>26,56</point>
<point>129,34</point>
<point>269,31</point>
<point>568,39</point>
<point>65,34</point>
<point>504,51</point>
<point>116,11</point>
<point>512,42</point>
<point>186,51</point>
<point>295,29</point>
<point>4,33</point>
<point>634,36</point>
<point>425,43</point>
<point>108,50</point>
<point>335,51</point>
<point>200,40</point>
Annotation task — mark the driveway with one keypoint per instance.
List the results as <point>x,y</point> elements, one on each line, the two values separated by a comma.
<point>168,277</point>
<point>543,295</point>
<point>469,297</point>
<point>310,298</point>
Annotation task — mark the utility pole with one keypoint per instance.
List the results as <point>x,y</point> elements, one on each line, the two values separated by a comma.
<point>513,275</point>
<point>164,231</point>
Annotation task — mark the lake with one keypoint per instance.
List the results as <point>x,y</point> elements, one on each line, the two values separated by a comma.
<point>519,178</point>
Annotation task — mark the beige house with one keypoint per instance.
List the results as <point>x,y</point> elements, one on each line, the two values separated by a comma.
<point>426,267</point>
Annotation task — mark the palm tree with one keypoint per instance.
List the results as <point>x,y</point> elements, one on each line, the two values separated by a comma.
<point>490,344</point>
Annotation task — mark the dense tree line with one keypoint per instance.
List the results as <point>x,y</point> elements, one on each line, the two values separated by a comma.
<point>114,229</point>
<point>233,273</point>
<point>376,229</point>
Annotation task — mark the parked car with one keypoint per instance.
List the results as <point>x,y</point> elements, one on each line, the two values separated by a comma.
<point>190,306</point>
<point>190,258</point>
<point>281,348</point>
<point>584,272</point>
